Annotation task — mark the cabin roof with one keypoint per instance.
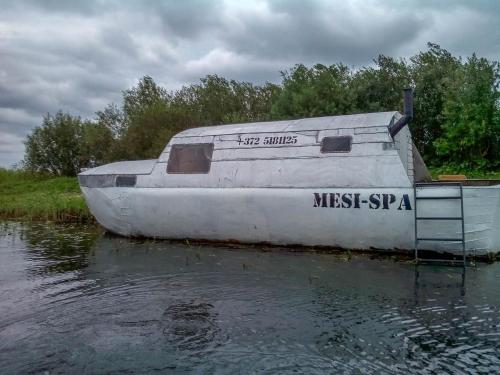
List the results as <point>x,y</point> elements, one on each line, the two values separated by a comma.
<point>123,167</point>
<point>362,120</point>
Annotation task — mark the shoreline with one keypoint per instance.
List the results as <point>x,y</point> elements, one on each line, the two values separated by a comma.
<point>26,197</point>
<point>37,197</point>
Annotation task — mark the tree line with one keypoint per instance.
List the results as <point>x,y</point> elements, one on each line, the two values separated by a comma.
<point>456,111</point>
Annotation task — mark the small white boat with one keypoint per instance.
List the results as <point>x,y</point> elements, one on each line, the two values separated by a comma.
<point>337,181</point>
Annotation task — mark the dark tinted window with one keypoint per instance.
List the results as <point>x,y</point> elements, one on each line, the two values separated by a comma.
<point>125,181</point>
<point>190,158</point>
<point>336,144</point>
<point>97,181</point>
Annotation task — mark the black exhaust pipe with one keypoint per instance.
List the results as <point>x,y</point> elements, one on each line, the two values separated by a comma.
<point>408,113</point>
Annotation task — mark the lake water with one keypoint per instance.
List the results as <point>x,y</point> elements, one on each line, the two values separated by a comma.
<point>73,300</point>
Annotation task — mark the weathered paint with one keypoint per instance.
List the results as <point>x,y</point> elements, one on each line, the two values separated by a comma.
<point>382,219</point>
<point>270,182</point>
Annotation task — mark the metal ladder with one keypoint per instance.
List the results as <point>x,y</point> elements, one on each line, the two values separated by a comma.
<point>460,218</point>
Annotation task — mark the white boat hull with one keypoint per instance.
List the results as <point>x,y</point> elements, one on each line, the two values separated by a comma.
<point>350,218</point>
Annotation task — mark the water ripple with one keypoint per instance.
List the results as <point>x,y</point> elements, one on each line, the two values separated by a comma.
<point>73,301</point>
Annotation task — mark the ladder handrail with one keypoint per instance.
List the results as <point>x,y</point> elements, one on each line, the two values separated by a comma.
<point>463,221</point>
<point>416,221</point>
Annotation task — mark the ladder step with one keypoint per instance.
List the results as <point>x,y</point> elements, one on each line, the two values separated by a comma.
<point>446,197</point>
<point>450,262</point>
<point>440,239</point>
<point>439,218</point>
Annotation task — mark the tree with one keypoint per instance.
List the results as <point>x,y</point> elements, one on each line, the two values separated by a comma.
<point>145,114</point>
<point>216,100</point>
<point>55,146</point>
<point>380,88</point>
<point>140,98</point>
<point>97,144</point>
<point>317,91</point>
<point>471,130</point>
<point>433,72</point>
<point>64,144</point>
<point>113,119</point>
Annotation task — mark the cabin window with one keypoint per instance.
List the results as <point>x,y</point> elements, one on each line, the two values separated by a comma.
<point>336,144</point>
<point>125,181</point>
<point>190,158</point>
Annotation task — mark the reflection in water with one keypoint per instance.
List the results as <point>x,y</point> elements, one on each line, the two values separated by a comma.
<point>446,326</point>
<point>73,301</point>
<point>62,250</point>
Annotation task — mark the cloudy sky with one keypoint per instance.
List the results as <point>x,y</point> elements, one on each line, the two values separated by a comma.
<point>79,55</point>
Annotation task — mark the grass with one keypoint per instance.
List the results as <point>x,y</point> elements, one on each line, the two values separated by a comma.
<point>26,196</point>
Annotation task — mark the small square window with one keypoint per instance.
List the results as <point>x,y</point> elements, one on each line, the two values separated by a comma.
<point>336,144</point>
<point>190,158</point>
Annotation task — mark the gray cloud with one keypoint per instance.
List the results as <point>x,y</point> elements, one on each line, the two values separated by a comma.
<point>190,18</point>
<point>78,56</point>
<point>333,32</point>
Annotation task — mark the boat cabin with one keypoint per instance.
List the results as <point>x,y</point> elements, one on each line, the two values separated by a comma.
<point>332,151</point>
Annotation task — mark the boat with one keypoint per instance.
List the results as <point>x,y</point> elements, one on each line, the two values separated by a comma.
<point>351,182</point>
